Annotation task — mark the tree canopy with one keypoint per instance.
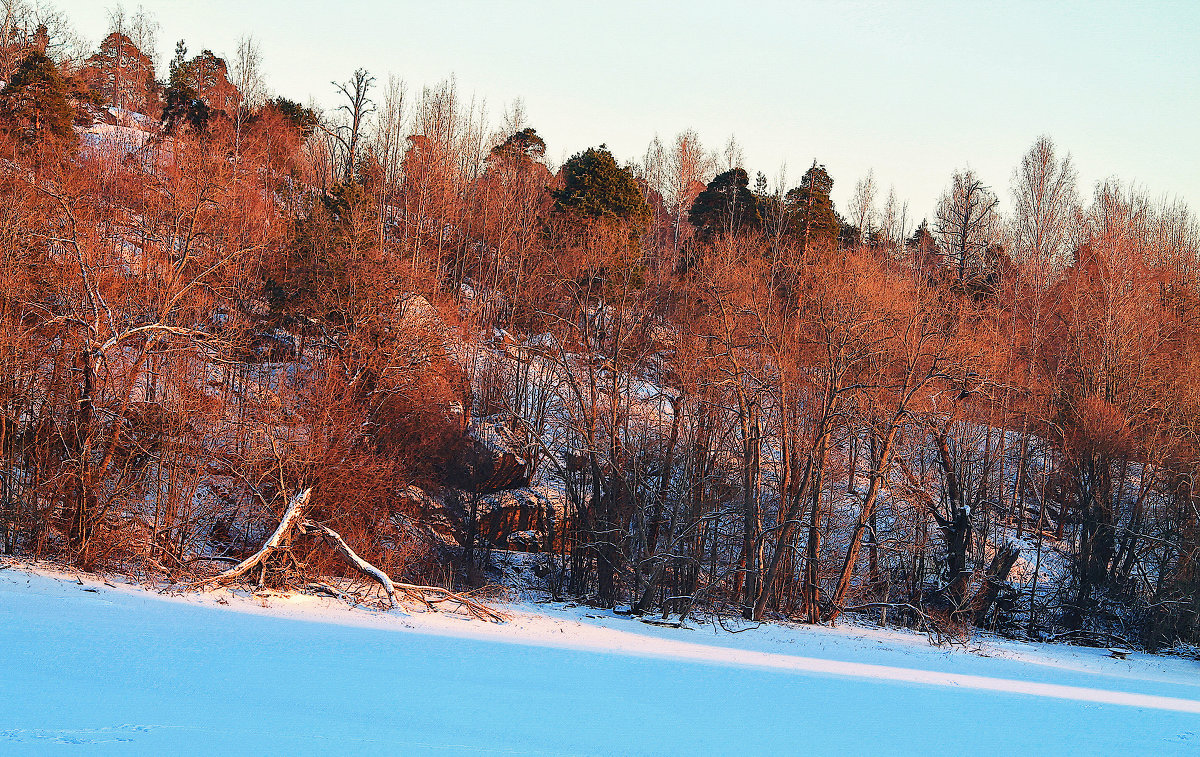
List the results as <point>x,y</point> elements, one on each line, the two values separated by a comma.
<point>196,89</point>
<point>34,106</point>
<point>968,227</point>
<point>524,146</point>
<point>121,73</point>
<point>811,218</point>
<point>726,206</point>
<point>209,77</point>
<point>302,119</point>
<point>594,186</point>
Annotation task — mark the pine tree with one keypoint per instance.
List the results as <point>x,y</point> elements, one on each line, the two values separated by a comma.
<point>197,88</point>
<point>178,67</point>
<point>726,206</point>
<point>522,148</point>
<point>596,187</point>
<point>302,119</point>
<point>181,102</point>
<point>922,239</point>
<point>812,219</point>
<point>34,106</point>
<point>208,75</point>
<point>120,72</point>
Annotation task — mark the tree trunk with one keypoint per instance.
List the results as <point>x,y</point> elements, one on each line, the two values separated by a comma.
<point>291,517</point>
<point>957,527</point>
<point>993,579</point>
<point>864,516</point>
<point>814,468</point>
<point>352,557</point>
<point>751,544</point>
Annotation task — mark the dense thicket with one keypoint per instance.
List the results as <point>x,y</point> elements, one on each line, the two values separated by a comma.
<point>992,420</point>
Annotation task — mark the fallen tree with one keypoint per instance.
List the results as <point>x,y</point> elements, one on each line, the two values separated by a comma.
<point>275,558</point>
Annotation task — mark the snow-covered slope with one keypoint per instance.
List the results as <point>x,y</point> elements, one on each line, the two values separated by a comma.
<point>120,670</point>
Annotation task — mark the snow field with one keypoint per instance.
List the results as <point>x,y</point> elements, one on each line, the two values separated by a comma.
<point>101,669</point>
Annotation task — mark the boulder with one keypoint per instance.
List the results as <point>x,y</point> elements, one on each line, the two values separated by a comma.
<point>527,519</point>
<point>489,462</point>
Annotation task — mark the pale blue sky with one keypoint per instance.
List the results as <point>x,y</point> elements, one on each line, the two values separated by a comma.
<point>912,89</point>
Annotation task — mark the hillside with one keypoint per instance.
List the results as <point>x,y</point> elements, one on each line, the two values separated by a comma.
<point>379,352</point>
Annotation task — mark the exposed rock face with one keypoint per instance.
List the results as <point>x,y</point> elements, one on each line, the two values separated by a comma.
<point>433,515</point>
<point>525,541</point>
<point>415,312</point>
<point>528,519</point>
<point>490,462</point>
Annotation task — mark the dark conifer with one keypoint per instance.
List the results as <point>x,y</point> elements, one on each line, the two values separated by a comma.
<point>596,187</point>
<point>726,206</point>
<point>34,106</point>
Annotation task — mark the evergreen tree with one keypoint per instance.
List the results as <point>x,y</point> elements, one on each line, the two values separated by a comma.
<point>208,75</point>
<point>178,67</point>
<point>596,187</point>
<point>523,147</point>
<point>197,89</point>
<point>302,119</point>
<point>181,103</point>
<point>182,107</point>
<point>849,235</point>
<point>922,239</point>
<point>760,184</point>
<point>726,206</point>
<point>34,106</point>
<point>121,73</point>
<point>811,218</point>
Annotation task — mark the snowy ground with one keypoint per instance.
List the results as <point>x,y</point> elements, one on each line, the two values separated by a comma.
<point>103,669</point>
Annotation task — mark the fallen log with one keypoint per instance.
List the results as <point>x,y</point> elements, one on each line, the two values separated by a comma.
<point>294,521</point>
<point>291,515</point>
<point>663,623</point>
<point>352,557</point>
<point>420,594</point>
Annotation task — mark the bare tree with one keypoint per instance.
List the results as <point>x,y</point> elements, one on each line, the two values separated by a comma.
<point>912,358</point>
<point>388,142</point>
<point>862,206</point>
<point>248,78</point>
<point>63,43</point>
<point>357,109</point>
<point>687,168</point>
<point>1045,204</point>
<point>515,118</point>
<point>143,31</point>
<point>248,73</point>
<point>967,224</point>
<point>733,155</point>
<point>21,25</point>
<point>893,220</point>
<point>775,212</point>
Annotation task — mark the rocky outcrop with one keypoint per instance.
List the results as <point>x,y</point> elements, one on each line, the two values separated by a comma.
<point>431,513</point>
<point>527,519</point>
<point>489,462</point>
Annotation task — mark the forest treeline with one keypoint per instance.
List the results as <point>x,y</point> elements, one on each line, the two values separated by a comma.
<point>741,399</point>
